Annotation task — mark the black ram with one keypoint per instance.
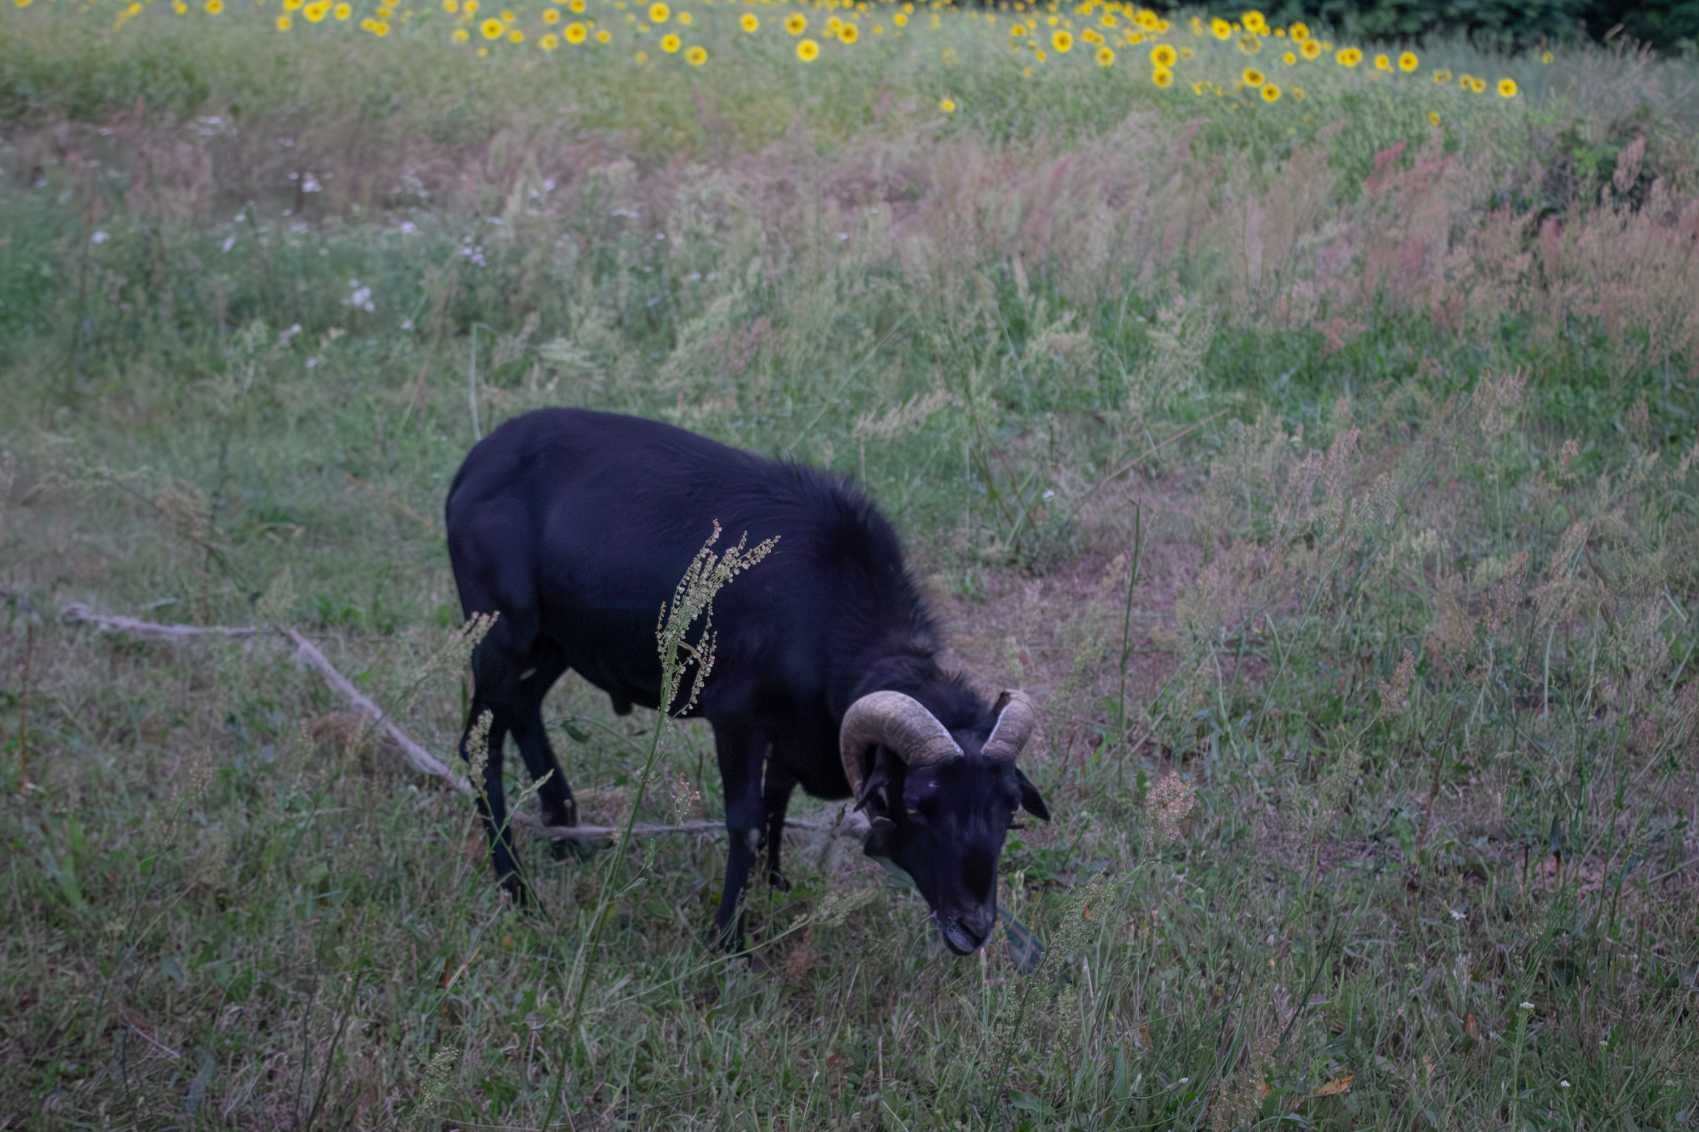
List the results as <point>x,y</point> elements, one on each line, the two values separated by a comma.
<point>574,527</point>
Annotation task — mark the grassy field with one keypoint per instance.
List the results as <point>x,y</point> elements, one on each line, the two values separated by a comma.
<point>1327,473</point>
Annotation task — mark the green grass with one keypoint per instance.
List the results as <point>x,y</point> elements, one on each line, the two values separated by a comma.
<point>1397,737</point>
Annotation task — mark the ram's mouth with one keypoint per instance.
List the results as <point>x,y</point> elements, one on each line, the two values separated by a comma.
<point>958,938</point>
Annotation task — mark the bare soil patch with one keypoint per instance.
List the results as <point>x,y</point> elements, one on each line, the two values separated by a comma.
<point>1061,635</point>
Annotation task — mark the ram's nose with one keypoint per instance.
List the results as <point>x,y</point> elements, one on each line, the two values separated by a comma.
<point>966,933</point>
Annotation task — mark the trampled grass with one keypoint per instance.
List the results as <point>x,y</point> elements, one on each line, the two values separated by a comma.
<point>1372,754</point>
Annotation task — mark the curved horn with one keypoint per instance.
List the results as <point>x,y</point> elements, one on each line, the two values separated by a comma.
<point>1016,719</point>
<point>899,722</point>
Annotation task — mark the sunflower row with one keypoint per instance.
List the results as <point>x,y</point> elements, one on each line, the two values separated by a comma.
<point>1042,31</point>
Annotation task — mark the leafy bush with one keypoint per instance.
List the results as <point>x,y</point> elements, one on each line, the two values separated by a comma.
<point>1663,24</point>
<point>1670,24</point>
<point>1506,21</point>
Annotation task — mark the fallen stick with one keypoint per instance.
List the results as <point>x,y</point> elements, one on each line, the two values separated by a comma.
<point>846,824</point>
<point>76,613</point>
<point>417,757</point>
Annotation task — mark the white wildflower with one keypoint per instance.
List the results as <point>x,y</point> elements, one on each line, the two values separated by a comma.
<point>361,297</point>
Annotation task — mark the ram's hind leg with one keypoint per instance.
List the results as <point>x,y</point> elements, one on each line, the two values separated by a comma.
<point>501,664</point>
<point>481,743</point>
<point>554,793</point>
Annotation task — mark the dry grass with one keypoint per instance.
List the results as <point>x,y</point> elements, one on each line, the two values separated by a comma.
<point>1395,733</point>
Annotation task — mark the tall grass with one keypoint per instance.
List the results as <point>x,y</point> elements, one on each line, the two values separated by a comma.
<point>1375,807</point>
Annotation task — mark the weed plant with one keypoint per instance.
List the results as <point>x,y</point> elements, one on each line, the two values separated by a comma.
<point>1328,475</point>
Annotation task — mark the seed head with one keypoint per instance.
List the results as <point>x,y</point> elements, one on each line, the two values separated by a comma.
<point>1168,805</point>
<point>1395,693</point>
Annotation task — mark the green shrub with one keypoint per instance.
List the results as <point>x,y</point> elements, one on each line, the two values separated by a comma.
<point>1665,25</point>
<point>1670,24</point>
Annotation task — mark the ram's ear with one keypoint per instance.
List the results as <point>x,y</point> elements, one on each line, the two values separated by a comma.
<point>881,838</point>
<point>1030,801</point>
<point>873,798</point>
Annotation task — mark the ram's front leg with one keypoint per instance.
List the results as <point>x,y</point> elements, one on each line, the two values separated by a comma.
<point>776,796</point>
<point>740,748</point>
